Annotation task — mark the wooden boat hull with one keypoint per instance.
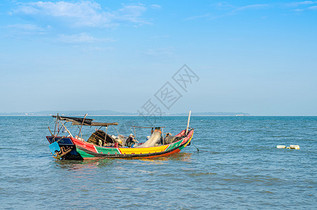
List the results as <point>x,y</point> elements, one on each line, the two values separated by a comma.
<point>73,148</point>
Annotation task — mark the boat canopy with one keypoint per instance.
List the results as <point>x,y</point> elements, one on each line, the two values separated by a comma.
<point>82,121</point>
<point>101,138</point>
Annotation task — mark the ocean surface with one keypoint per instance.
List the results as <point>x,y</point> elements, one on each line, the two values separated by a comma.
<point>237,166</point>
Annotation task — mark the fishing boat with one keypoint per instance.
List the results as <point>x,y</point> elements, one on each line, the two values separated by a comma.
<point>101,144</point>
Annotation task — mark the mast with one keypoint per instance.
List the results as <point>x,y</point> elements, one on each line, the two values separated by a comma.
<point>190,112</point>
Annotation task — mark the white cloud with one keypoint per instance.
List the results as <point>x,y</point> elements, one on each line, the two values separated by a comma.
<point>28,29</point>
<point>229,10</point>
<point>303,5</point>
<point>156,6</point>
<point>83,13</point>
<point>224,5</point>
<point>80,38</point>
<point>130,13</point>
<point>198,16</point>
<point>252,6</point>
<point>298,10</point>
<point>165,52</point>
<point>296,4</point>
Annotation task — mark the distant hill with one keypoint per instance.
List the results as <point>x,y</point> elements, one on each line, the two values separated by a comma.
<point>70,113</point>
<point>115,113</point>
<point>213,114</point>
<point>79,113</point>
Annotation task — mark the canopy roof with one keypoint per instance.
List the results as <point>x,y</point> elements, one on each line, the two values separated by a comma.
<point>82,121</point>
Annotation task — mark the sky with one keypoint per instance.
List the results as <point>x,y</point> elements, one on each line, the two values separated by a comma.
<point>257,57</point>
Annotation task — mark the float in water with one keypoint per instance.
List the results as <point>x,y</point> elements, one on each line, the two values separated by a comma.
<point>297,147</point>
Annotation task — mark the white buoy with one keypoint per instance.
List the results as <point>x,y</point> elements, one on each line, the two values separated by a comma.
<point>280,146</point>
<point>294,147</point>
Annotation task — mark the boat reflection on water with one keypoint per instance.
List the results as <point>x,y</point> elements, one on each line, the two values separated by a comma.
<point>83,164</point>
<point>186,157</point>
<point>99,163</point>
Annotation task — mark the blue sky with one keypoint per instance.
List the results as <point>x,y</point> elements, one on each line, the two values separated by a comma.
<point>258,57</point>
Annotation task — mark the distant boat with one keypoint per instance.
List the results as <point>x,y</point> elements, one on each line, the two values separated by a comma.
<point>103,145</point>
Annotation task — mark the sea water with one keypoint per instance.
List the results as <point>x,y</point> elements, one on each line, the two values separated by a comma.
<point>237,166</point>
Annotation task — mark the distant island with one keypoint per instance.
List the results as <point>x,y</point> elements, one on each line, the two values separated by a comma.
<point>213,114</point>
<point>115,113</point>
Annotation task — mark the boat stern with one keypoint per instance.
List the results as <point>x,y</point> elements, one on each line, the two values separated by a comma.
<point>62,147</point>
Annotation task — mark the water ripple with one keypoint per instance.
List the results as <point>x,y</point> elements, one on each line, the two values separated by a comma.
<point>237,167</point>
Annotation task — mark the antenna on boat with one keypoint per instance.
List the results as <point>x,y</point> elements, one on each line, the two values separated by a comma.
<point>190,112</point>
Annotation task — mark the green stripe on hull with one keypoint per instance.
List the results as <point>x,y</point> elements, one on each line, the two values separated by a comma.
<point>108,151</point>
<point>172,146</point>
<point>182,147</point>
<point>83,154</point>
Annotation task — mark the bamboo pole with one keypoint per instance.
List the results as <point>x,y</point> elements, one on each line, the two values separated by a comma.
<point>190,112</point>
<point>56,124</point>
<point>67,130</point>
<point>50,131</point>
<point>82,125</point>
